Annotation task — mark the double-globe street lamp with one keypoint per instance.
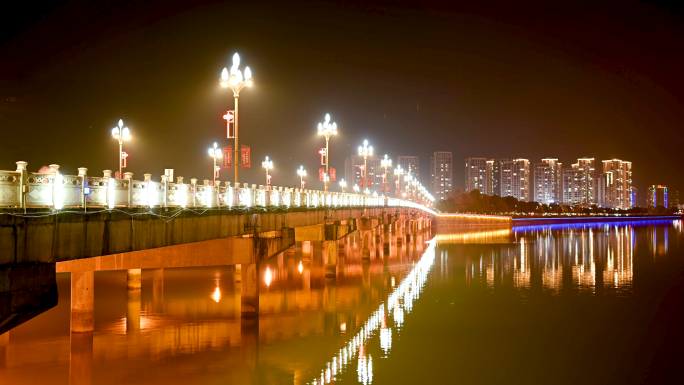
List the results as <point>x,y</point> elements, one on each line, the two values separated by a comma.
<point>385,163</point>
<point>236,82</point>
<point>365,151</point>
<point>121,134</point>
<point>302,173</point>
<point>343,184</point>
<point>215,153</point>
<point>327,129</point>
<point>267,164</point>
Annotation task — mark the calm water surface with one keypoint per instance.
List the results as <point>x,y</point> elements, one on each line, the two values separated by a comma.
<point>574,304</point>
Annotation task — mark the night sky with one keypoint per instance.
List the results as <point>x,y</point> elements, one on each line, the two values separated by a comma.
<point>480,79</point>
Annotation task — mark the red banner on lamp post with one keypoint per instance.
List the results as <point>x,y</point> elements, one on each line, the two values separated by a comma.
<point>246,157</point>
<point>228,157</point>
<point>321,174</point>
<point>333,174</point>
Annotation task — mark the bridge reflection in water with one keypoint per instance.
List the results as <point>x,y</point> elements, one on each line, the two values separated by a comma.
<point>183,325</point>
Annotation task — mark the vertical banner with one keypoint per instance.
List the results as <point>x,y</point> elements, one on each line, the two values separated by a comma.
<point>361,184</point>
<point>333,174</point>
<point>322,152</point>
<point>124,159</point>
<point>228,157</point>
<point>321,174</point>
<point>230,124</point>
<point>382,189</point>
<point>217,172</point>
<point>368,183</point>
<point>246,157</point>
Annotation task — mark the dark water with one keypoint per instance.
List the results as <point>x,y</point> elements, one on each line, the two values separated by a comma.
<point>550,304</point>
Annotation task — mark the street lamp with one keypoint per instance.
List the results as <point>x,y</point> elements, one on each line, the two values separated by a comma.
<point>235,82</point>
<point>356,188</point>
<point>327,129</point>
<point>215,153</point>
<point>267,164</point>
<point>302,173</point>
<point>121,133</point>
<point>398,172</point>
<point>385,163</point>
<point>407,179</point>
<point>365,150</point>
<point>343,184</point>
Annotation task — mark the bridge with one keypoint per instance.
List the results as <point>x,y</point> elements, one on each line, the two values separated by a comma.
<point>82,224</point>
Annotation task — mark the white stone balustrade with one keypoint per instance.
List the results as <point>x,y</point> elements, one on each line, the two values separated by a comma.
<point>21,189</point>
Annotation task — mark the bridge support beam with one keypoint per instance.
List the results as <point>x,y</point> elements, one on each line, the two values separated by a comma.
<point>158,288</point>
<point>82,301</point>
<point>249,295</point>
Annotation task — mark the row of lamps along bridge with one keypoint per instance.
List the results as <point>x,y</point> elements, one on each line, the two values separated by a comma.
<point>235,81</point>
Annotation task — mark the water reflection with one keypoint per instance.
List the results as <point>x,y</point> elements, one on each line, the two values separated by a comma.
<point>184,325</point>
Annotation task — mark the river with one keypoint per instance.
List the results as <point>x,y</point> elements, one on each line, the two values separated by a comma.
<point>581,303</point>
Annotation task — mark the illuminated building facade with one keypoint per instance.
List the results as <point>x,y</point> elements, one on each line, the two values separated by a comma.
<point>614,185</point>
<point>547,181</point>
<point>476,175</point>
<point>515,179</point>
<point>572,182</point>
<point>441,172</point>
<point>657,196</point>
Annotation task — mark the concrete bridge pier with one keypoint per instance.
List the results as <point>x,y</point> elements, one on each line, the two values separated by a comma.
<point>134,278</point>
<point>249,293</point>
<point>82,301</point>
<point>249,349</point>
<point>330,258</point>
<point>81,358</point>
<point>133,310</point>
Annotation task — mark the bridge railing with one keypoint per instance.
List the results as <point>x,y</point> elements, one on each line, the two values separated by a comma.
<point>20,189</point>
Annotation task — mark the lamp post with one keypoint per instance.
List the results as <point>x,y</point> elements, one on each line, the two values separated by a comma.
<point>267,164</point>
<point>343,184</point>
<point>398,172</point>
<point>356,188</point>
<point>385,163</point>
<point>215,153</point>
<point>236,83</point>
<point>365,150</point>
<point>302,173</point>
<point>121,134</point>
<point>327,129</point>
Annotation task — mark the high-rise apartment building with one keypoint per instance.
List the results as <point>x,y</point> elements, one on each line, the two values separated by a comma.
<point>352,172</point>
<point>441,172</point>
<point>657,196</point>
<point>548,181</point>
<point>572,185</point>
<point>614,185</point>
<point>493,177</point>
<point>587,183</point>
<point>515,179</point>
<point>476,175</point>
<point>410,162</point>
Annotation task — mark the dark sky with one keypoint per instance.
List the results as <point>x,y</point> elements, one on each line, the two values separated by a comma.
<point>481,79</point>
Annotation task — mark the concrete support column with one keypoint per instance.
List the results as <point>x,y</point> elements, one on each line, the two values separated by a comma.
<point>83,301</point>
<point>330,254</point>
<point>133,278</point>
<point>249,295</point>
<point>133,310</point>
<point>365,244</point>
<point>306,251</point>
<point>238,273</point>
<point>81,359</point>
